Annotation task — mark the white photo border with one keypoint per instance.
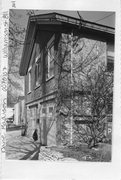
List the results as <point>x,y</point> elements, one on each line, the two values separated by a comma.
<point>13,169</point>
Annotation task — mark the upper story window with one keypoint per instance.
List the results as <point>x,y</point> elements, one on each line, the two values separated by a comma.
<point>50,59</point>
<point>110,61</point>
<point>38,71</point>
<point>44,110</point>
<point>110,64</point>
<point>29,79</point>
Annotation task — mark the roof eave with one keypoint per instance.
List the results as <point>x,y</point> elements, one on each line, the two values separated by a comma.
<point>27,44</point>
<point>31,28</point>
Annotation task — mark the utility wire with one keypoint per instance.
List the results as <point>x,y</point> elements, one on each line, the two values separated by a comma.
<point>96,20</point>
<point>105,17</point>
<point>81,18</point>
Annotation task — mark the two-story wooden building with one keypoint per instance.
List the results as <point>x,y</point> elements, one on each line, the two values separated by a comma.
<point>50,39</point>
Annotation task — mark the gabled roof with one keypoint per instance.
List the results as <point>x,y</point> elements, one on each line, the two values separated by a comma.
<point>55,19</point>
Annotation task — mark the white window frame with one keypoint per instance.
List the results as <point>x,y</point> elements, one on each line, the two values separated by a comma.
<point>37,61</point>
<point>50,60</point>
<point>29,79</point>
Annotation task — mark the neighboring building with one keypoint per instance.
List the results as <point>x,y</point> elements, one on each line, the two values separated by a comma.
<point>19,117</point>
<point>9,115</point>
<point>47,37</point>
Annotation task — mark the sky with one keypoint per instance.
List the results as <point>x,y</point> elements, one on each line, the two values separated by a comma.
<point>100,17</point>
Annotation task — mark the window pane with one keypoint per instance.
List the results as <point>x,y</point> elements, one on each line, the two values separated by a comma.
<point>51,68</point>
<point>110,64</point>
<point>51,53</point>
<point>46,67</point>
<point>29,81</point>
<point>43,110</point>
<point>50,61</point>
<point>35,73</point>
<point>50,109</point>
<point>38,74</point>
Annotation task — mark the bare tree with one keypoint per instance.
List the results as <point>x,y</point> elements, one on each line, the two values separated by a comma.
<point>97,95</point>
<point>16,42</point>
<point>85,89</point>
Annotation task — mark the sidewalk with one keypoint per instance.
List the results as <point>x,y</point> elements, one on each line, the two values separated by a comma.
<point>21,147</point>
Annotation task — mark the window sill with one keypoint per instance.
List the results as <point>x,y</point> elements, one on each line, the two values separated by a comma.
<point>37,86</point>
<point>29,92</point>
<point>48,79</point>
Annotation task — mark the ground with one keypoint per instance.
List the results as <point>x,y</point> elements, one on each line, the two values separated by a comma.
<point>24,148</point>
<point>20,147</point>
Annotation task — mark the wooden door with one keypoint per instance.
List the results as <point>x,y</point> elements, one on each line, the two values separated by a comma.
<point>43,125</point>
